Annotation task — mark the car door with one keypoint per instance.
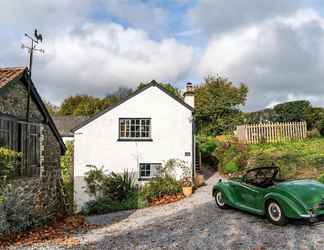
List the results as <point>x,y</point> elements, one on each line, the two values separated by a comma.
<point>250,195</point>
<point>247,195</point>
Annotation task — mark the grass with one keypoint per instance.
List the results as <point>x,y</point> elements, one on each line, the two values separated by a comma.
<point>296,159</point>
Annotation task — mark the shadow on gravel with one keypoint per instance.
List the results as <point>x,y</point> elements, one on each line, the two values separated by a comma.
<point>207,227</point>
<point>208,172</point>
<point>109,218</point>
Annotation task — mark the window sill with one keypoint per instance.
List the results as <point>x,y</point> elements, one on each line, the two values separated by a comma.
<point>145,179</point>
<point>135,140</point>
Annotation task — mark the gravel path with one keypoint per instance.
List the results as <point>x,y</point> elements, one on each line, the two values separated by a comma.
<point>196,223</point>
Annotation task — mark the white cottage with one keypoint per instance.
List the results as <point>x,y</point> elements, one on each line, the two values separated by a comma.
<point>140,134</point>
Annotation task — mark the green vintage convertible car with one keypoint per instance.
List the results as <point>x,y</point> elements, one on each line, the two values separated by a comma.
<point>261,192</point>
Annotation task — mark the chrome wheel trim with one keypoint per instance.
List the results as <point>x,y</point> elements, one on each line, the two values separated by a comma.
<point>274,211</point>
<point>219,199</point>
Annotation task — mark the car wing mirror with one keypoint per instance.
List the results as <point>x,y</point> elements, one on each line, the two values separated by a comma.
<point>244,178</point>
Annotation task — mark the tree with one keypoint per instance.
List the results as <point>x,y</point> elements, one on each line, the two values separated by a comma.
<point>51,108</point>
<point>83,105</point>
<point>262,116</point>
<point>120,94</point>
<point>314,116</point>
<point>294,111</point>
<point>167,86</point>
<point>70,104</point>
<point>217,103</point>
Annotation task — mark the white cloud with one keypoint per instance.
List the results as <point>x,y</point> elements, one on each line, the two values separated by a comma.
<point>90,55</point>
<point>50,15</point>
<point>216,17</point>
<point>280,58</point>
<point>99,58</point>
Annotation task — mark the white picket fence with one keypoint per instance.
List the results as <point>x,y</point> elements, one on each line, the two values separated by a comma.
<point>271,132</point>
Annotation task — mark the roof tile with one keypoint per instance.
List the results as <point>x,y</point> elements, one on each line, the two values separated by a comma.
<point>9,74</point>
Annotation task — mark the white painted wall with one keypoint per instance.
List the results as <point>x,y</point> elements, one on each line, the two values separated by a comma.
<point>97,142</point>
<point>68,139</point>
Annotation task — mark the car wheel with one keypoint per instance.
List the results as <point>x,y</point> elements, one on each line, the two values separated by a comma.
<point>275,214</point>
<point>219,200</point>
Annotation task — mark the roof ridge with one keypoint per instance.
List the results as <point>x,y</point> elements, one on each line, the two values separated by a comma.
<point>13,68</point>
<point>153,83</point>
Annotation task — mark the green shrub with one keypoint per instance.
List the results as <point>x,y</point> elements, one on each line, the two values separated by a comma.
<point>263,160</point>
<point>316,160</point>
<point>231,156</point>
<point>321,178</point>
<point>314,133</point>
<point>134,200</point>
<point>100,205</point>
<point>207,145</point>
<point>8,160</point>
<point>161,186</point>
<point>112,192</point>
<point>231,167</point>
<point>103,205</point>
<point>95,179</point>
<point>116,186</point>
<point>67,176</point>
<point>320,127</point>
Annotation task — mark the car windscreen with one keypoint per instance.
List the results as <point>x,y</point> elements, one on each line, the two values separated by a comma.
<point>260,175</point>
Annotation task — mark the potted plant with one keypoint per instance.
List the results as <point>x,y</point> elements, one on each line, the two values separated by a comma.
<point>186,184</point>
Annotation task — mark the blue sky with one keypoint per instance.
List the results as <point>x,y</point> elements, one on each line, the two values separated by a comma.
<point>275,47</point>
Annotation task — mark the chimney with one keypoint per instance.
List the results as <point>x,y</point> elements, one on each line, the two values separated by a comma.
<point>189,95</point>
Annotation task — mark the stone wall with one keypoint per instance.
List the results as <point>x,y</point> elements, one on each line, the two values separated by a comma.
<point>31,201</point>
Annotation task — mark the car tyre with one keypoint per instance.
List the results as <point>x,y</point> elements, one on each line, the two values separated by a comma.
<point>275,213</point>
<point>219,200</point>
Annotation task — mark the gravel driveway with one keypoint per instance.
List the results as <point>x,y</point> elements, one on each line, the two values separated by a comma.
<point>196,223</point>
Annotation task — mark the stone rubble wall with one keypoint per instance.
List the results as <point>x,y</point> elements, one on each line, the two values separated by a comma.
<point>31,201</point>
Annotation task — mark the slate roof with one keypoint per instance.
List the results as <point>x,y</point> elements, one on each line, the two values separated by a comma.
<point>152,83</point>
<point>9,74</point>
<point>65,124</point>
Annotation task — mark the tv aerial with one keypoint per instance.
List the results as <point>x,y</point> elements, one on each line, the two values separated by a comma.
<point>38,38</point>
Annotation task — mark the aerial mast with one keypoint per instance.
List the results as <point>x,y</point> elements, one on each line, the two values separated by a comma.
<point>33,47</point>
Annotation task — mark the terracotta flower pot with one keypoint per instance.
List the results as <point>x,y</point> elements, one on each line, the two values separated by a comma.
<point>200,180</point>
<point>187,191</point>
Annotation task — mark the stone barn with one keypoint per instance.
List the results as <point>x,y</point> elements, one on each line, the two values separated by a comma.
<point>34,195</point>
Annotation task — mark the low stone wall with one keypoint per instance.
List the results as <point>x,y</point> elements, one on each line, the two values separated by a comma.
<point>28,203</point>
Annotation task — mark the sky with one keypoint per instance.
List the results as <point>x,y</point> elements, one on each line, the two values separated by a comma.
<point>93,47</point>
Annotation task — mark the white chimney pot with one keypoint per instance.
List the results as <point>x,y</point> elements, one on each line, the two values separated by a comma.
<point>189,95</point>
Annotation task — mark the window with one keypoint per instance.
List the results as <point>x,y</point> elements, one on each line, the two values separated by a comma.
<point>30,148</point>
<point>134,129</point>
<point>24,138</point>
<point>34,154</point>
<point>149,170</point>
<point>4,133</point>
<point>7,134</point>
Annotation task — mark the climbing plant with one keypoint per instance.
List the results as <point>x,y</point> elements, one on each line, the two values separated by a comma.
<point>8,161</point>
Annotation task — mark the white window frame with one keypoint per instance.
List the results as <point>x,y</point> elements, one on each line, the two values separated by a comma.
<point>154,169</point>
<point>135,129</point>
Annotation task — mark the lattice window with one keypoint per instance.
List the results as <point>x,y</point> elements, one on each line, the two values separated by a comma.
<point>24,138</point>
<point>149,170</point>
<point>135,128</point>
